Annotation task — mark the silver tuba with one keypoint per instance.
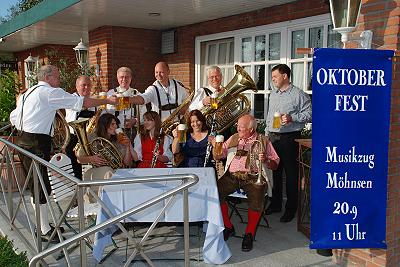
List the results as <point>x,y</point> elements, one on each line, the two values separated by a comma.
<point>99,146</point>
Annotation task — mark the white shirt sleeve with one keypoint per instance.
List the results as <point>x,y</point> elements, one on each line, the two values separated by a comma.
<point>149,95</point>
<point>197,101</point>
<point>167,147</point>
<point>59,99</point>
<point>138,146</point>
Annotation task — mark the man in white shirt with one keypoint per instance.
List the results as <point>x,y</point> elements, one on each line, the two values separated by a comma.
<point>34,116</point>
<point>127,116</point>
<point>83,87</point>
<point>165,94</point>
<point>203,94</point>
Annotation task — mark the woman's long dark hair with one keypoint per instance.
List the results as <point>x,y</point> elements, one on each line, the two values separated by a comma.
<point>152,116</point>
<point>103,124</point>
<point>200,117</point>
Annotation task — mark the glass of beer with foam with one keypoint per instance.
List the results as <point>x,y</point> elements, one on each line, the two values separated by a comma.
<point>125,100</point>
<point>182,128</point>
<point>276,123</point>
<point>120,104</point>
<point>219,140</point>
<point>102,95</point>
<point>214,101</point>
<point>120,135</point>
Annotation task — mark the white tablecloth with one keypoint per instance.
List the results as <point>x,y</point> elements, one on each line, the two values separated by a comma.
<point>203,206</point>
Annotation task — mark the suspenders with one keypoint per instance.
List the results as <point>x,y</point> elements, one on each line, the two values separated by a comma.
<point>168,106</point>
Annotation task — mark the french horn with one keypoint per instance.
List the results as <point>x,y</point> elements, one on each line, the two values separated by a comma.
<point>232,103</point>
<point>99,146</point>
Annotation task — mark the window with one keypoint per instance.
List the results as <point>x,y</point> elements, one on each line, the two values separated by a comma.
<point>259,49</point>
<point>220,53</point>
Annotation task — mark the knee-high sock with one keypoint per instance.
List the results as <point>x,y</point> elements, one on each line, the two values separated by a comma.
<point>253,218</point>
<point>225,215</point>
<point>44,219</point>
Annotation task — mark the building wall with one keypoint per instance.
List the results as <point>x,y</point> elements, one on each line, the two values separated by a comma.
<point>113,47</point>
<point>382,17</point>
<point>64,51</point>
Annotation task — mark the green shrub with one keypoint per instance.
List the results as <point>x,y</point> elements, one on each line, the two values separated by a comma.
<point>8,257</point>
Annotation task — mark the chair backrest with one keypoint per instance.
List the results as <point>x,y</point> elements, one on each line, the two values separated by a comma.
<point>61,186</point>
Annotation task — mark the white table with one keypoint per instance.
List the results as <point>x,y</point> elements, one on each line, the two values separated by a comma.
<point>203,206</point>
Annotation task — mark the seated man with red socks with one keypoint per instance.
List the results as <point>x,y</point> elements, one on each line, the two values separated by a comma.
<point>238,174</point>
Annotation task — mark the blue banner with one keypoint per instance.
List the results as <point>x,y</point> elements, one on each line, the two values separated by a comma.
<point>351,118</point>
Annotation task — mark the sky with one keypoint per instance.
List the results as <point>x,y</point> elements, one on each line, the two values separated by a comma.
<point>4,5</point>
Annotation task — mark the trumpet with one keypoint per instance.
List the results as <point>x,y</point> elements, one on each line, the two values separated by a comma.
<point>257,147</point>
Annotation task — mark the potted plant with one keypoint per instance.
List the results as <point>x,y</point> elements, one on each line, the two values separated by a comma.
<point>9,87</point>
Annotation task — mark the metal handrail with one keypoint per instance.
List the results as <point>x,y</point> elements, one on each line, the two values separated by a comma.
<point>188,180</point>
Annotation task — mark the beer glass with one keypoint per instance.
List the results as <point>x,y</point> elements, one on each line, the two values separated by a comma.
<point>120,104</point>
<point>219,140</point>
<point>102,95</point>
<point>276,124</point>
<point>214,101</point>
<point>120,135</point>
<point>125,100</point>
<point>182,133</point>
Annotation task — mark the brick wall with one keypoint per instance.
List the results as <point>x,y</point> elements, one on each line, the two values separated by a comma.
<point>183,60</point>
<point>114,47</point>
<point>65,51</point>
<point>382,17</point>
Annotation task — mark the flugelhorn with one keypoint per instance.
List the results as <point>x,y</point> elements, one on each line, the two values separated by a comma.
<point>257,147</point>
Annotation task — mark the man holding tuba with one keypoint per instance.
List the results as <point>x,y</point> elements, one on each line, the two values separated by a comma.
<point>203,95</point>
<point>83,88</point>
<point>238,174</point>
<point>165,94</point>
<point>34,117</point>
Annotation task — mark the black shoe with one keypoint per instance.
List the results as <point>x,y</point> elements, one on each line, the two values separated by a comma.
<point>228,232</point>
<point>46,237</point>
<point>271,210</point>
<point>287,217</point>
<point>247,243</point>
<point>61,228</point>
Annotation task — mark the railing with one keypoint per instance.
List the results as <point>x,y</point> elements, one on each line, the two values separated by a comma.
<point>8,164</point>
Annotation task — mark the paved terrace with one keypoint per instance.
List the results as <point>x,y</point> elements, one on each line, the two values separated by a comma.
<point>280,245</point>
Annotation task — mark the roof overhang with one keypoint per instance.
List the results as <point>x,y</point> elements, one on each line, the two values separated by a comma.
<point>66,22</point>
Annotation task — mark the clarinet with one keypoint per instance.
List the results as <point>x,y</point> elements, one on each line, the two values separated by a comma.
<point>209,145</point>
<point>155,151</point>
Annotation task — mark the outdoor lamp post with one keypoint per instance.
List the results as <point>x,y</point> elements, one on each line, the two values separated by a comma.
<point>344,16</point>
<point>81,53</point>
<point>30,65</point>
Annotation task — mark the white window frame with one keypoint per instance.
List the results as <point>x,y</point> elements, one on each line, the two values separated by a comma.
<point>285,28</point>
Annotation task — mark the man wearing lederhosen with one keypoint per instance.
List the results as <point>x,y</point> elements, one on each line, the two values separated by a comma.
<point>203,95</point>
<point>127,116</point>
<point>33,118</point>
<point>238,171</point>
<point>165,94</point>
<point>83,87</point>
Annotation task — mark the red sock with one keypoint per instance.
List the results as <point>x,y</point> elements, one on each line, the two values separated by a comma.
<point>253,218</point>
<point>225,215</point>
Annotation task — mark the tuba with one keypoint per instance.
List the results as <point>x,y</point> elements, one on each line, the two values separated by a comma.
<point>99,146</point>
<point>61,135</point>
<point>171,122</point>
<point>232,103</point>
